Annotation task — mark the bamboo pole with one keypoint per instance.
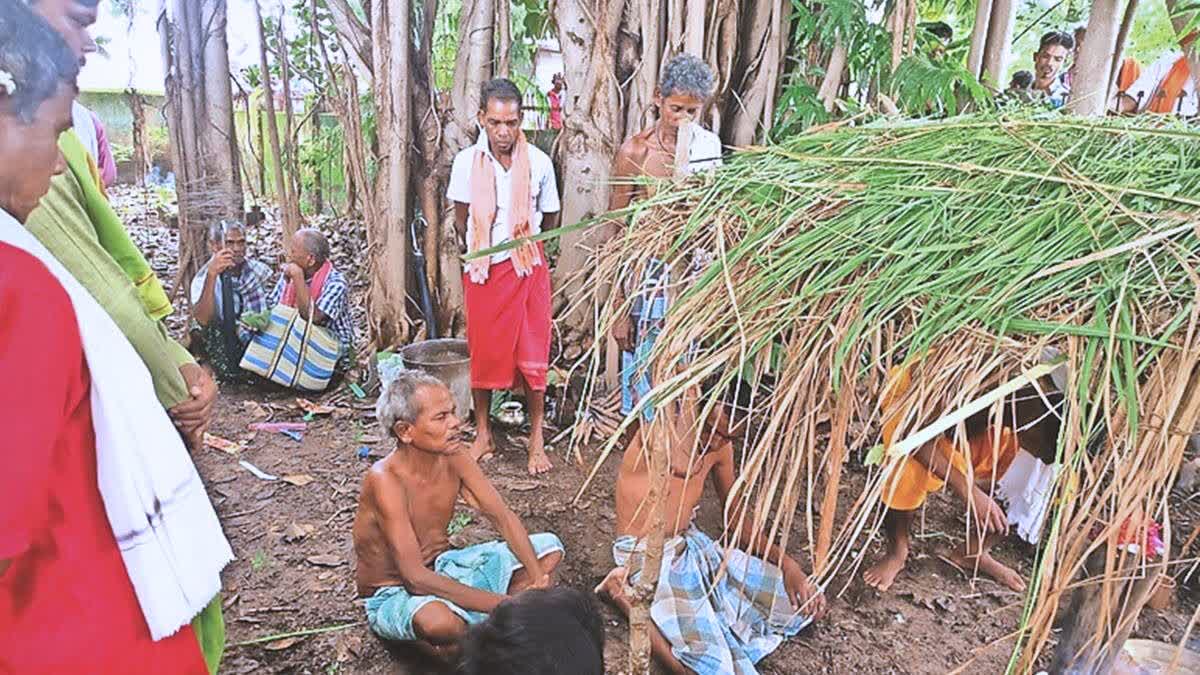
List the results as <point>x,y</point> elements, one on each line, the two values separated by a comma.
<point>289,225</point>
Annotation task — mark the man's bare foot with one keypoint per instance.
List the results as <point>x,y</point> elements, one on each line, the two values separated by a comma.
<point>482,449</point>
<point>883,574</point>
<point>539,462</point>
<point>1001,573</point>
<point>612,588</point>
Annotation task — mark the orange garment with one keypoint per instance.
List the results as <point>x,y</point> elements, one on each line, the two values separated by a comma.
<point>911,483</point>
<point>1130,71</point>
<point>1166,96</point>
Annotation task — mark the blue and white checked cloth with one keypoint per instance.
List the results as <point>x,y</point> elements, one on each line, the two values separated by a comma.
<point>721,613</point>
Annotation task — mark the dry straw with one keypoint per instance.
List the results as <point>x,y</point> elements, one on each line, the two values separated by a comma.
<point>962,249</point>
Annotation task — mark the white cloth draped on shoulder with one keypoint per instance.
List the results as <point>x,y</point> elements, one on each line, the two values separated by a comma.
<point>165,526</point>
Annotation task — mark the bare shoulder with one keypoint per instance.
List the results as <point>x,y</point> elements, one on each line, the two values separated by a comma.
<point>463,466</point>
<point>636,147</point>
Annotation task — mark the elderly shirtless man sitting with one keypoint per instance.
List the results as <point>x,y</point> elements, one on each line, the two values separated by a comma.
<point>418,589</point>
<point>717,608</point>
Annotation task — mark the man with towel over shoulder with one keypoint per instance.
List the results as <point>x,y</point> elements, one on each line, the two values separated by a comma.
<point>504,189</point>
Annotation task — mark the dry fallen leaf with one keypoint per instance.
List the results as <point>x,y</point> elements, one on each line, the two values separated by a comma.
<point>218,443</point>
<point>298,479</point>
<point>325,576</point>
<point>370,440</point>
<point>523,485</point>
<point>280,645</point>
<point>295,532</point>
<point>255,410</point>
<point>314,409</point>
<point>325,560</point>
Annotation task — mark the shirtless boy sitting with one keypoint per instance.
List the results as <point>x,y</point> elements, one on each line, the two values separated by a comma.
<point>417,587</point>
<point>1014,464</point>
<point>716,610</point>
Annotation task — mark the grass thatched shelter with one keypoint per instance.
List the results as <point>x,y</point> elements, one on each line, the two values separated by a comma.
<point>961,248</point>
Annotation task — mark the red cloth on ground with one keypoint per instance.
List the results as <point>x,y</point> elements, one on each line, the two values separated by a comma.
<point>66,603</point>
<point>508,327</point>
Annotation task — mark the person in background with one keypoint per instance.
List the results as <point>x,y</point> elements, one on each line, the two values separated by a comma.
<point>1053,50</point>
<point>504,189</point>
<point>78,226</point>
<point>226,287</point>
<point>1166,87</point>
<point>80,416</point>
<point>417,588</point>
<point>554,631</point>
<point>309,281</point>
<point>1019,89</point>
<point>940,36</point>
<point>555,96</point>
<point>105,163</point>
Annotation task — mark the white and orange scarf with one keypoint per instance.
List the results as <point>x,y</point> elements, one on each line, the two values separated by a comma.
<point>483,211</point>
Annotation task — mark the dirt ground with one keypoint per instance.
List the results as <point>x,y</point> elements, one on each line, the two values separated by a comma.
<point>294,568</point>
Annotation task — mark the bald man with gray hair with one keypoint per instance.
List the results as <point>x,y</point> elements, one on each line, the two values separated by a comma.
<point>417,588</point>
<point>319,292</point>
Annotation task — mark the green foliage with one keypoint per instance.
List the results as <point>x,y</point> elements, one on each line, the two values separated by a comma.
<point>923,86</point>
<point>121,152</point>
<point>458,523</point>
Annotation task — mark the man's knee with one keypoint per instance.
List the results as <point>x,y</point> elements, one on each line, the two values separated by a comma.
<point>550,561</point>
<point>437,625</point>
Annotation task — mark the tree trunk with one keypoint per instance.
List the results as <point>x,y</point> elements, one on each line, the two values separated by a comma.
<point>593,130</point>
<point>1089,95</point>
<point>291,171</point>
<point>1122,41</point>
<point>760,53</point>
<point>141,148</point>
<point>504,38</point>
<point>832,83</point>
<point>999,42</point>
<point>200,117</point>
<point>979,36</point>
<point>282,193</point>
<point>644,21</point>
<point>472,68</point>
<point>387,238</point>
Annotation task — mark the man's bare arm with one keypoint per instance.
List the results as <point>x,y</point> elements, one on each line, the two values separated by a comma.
<point>624,169</point>
<point>550,221</point>
<point>406,551</point>
<point>480,490</point>
<point>755,544</point>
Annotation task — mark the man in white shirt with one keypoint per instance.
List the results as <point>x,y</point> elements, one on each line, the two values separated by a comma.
<point>1165,87</point>
<point>504,190</point>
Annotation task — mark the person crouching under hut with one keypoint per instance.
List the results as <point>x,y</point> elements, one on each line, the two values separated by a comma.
<point>311,283</point>
<point>504,189</point>
<point>1012,462</point>
<point>226,287</point>
<point>418,589</point>
<point>717,608</point>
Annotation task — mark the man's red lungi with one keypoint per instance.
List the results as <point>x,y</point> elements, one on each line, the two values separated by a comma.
<point>508,327</point>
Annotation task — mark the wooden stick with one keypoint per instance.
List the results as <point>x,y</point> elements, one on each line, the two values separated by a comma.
<point>298,633</point>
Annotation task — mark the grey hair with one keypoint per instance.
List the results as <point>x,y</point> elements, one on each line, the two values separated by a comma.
<point>315,243</point>
<point>689,75</point>
<point>36,58</point>
<point>397,402</point>
<point>217,231</point>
